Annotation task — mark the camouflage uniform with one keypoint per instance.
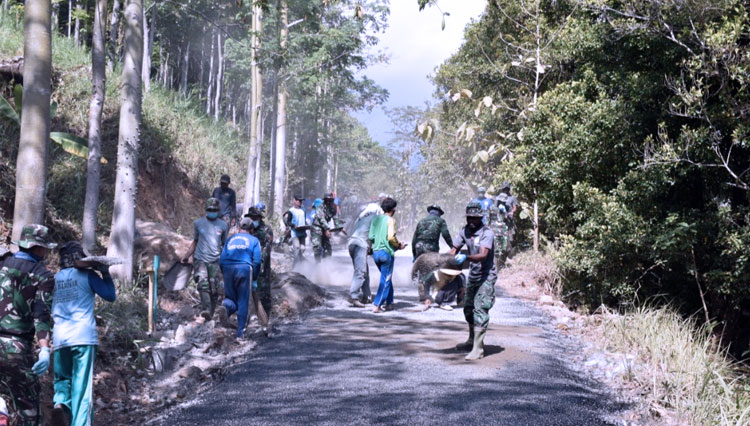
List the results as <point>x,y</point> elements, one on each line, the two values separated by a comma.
<point>264,234</point>
<point>427,234</point>
<point>499,227</point>
<point>320,243</point>
<point>26,289</point>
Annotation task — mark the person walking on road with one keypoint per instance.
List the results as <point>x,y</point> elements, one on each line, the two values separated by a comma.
<point>294,219</point>
<point>227,201</point>
<point>209,234</point>
<point>484,202</point>
<point>320,233</point>
<point>359,247</point>
<point>26,288</point>
<point>428,231</point>
<point>264,234</point>
<point>384,245</point>
<point>240,264</point>
<point>480,291</point>
<point>75,336</point>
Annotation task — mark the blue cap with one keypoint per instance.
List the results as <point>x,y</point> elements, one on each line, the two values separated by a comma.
<point>260,206</point>
<point>317,202</point>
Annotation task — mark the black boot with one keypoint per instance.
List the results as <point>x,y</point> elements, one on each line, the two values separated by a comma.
<point>469,343</point>
<point>207,305</point>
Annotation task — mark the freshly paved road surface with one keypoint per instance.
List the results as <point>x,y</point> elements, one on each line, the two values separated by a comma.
<point>348,366</point>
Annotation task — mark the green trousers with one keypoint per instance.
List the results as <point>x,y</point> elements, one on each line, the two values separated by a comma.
<point>480,297</point>
<point>19,387</point>
<point>74,387</point>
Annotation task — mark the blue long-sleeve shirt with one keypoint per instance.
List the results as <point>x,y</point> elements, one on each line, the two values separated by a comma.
<point>73,306</point>
<point>242,249</point>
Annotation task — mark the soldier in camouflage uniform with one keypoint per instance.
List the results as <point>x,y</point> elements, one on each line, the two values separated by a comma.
<point>26,288</point>
<point>209,235</point>
<point>264,234</point>
<point>500,228</point>
<point>320,233</point>
<point>480,290</point>
<point>427,234</point>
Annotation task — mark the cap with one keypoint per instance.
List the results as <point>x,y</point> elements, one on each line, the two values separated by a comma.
<point>317,202</point>
<point>474,210</point>
<point>299,197</point>
<point>435,207</point>
<point>35,235</point>
<point>505,185</point>
<point>261,206</point>
<point>212,204</point>
<point>254,212</point>
<point>481,190</point>
<point>70,252</point>
<point>329,196</point>
<point>224,179</point>
<point>246,223</point>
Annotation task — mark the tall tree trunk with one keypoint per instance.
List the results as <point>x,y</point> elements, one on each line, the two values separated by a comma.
<point>98,91</point>
<point>148,50</point>
<point>114,29</point>
<point>209,99</point>
<point>55,17</point>
<point>219,76</point>
<point>70,18</point>
<point>329,165</point>
<point>203,64</point>
<point>185,68</point>
<point>279,181</point>
<point>77,31</point>
<point>31,163</point>
<point>252,182</point>
<point>122,236</point>
<point>272,141</point>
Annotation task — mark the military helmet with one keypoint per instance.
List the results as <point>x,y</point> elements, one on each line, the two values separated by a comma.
<point>35,235</point>
<point>481,190</point>
<point>261,206</point>
<point>474,209</point>
<point>435,207</point>
<point>329,196</point>
<point>212,205</point>
<point>254,212</point>
<point>505,185</point>
<point>224,179</point>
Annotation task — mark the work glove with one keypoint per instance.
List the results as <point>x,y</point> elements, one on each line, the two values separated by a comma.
<point>255,285</point>
<point>42,364</point>
<point>460,259</point>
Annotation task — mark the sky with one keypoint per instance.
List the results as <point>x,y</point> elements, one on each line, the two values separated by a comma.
<point>416,46</point>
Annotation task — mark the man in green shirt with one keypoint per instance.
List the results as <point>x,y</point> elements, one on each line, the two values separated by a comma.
<point>384,246</point>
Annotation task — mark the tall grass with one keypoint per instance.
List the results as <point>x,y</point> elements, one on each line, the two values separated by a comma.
<point>686,372</point>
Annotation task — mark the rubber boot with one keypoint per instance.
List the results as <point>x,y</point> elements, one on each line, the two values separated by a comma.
<point>469,343</point>
<point>478,351</point>
<point>207,306</point>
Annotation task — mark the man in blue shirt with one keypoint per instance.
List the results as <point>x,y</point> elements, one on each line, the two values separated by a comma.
<point>485,202</point>
<point>240,263</point>
<point>75,337</point>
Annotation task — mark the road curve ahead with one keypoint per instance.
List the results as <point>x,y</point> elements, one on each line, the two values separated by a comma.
<point>348,366</point>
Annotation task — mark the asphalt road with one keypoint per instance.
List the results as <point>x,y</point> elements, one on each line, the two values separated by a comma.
<point>348,366</point>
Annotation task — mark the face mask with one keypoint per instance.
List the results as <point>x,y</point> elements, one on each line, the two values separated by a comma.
<point>256,223</point>
<point>212,215</point>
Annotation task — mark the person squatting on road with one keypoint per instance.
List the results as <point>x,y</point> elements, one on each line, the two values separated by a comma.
<point>26,288</point>
<point>480,291</point>
<point>264,234</point>
<point>451,285</point>
<point>240,265</point>
<point>227,201</point>
<point>209,234</point>
<point>75,336</point>
<point>384,245</point>
<point>294,218</point>
<point>359,247</point>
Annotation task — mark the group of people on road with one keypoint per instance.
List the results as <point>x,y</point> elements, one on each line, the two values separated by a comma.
<point>35,305</point>
<point>486,237</point>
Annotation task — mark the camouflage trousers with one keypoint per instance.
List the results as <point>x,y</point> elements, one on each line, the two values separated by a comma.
<point>422,247</point>
<point>479,299</point>
<point>321,246</point>
<point>264,293</point>
<point>206,276</point>
<point>19,387</point>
